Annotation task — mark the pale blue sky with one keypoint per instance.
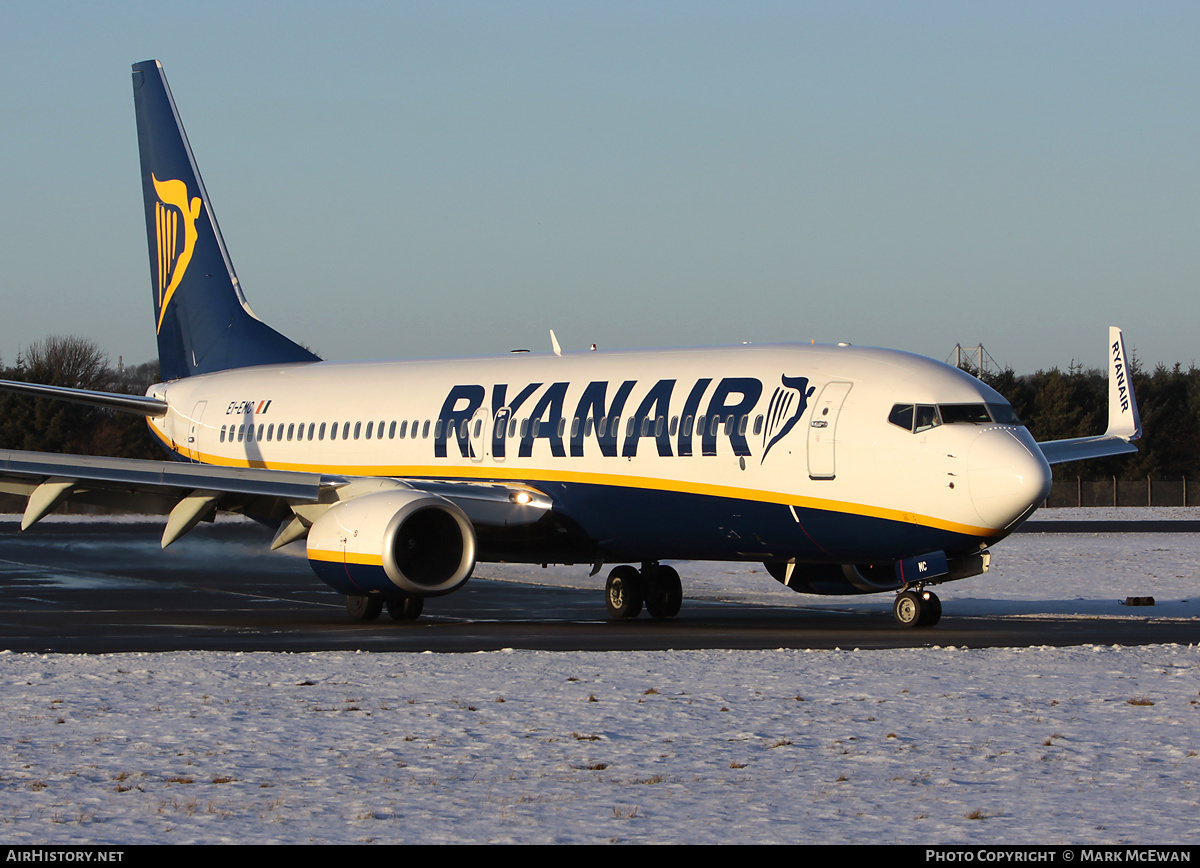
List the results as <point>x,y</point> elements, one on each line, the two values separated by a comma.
<point>446,178</point>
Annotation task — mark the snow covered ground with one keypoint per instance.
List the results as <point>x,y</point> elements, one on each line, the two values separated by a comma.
<point>938,745</point>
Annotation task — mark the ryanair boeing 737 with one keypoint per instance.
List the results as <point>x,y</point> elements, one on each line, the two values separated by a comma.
<point>844,470</point>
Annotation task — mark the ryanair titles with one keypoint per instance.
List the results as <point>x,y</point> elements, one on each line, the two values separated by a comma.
<point>680,418</point>
<point>1122,383</point>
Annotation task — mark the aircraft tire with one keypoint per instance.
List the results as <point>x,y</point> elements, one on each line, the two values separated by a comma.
<point>363,608</point>
<point>664,593</point>
<point>931,611</point>
<point>406,608</point>
<point>908,609</point>
<point>623,593</point>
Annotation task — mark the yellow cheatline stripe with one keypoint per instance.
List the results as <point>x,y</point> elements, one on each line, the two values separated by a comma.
<point>542,474</point>
<point>335,557</point>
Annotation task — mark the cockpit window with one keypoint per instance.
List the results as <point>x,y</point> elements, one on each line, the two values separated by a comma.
<point>902,415</point>
<point>976,414</point>
<point>927,417</point>
<point>1004,414</point>
<point>922,417</point>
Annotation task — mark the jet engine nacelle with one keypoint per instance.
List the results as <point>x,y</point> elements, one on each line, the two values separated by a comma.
<point>392,542</point>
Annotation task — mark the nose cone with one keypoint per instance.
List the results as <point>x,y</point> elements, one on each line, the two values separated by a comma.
<point>1008,475</point>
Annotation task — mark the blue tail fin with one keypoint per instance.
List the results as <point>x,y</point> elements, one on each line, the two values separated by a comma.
<point>202,318</point>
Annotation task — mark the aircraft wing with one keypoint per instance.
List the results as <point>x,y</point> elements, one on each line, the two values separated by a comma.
<point>1124,422</point>
<point>191,493</point>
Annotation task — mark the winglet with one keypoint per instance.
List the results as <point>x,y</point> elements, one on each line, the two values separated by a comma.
<point>1124,423</point>
<point>1123,418</point>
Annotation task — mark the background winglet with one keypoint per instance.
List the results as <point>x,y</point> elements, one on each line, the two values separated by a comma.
<point>1124,423</point>
<point>1123,418</point>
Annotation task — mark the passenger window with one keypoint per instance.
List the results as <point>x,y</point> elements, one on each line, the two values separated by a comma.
<point>758,423</point>
<point>425,430</point>
<point>370,430</point>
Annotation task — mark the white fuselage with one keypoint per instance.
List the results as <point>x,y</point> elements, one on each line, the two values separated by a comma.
<point>800,430</point>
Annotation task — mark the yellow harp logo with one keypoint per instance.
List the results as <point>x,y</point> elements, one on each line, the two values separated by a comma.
<point>175,221</point>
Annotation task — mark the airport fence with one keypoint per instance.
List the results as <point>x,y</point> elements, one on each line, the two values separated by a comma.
<point>1077,491</point>
<point>1067,491</point>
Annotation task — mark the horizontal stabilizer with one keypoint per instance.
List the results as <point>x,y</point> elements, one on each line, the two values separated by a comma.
<point>138,404</point>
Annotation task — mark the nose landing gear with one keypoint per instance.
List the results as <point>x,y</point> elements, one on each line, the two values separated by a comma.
<point>917,608</point>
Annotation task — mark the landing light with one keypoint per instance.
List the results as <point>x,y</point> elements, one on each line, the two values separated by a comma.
<point>521,497</point>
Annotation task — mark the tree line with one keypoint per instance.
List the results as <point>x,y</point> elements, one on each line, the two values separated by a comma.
<point>41,425</point>
<point>1057,405</point>
<point>1054,404</point>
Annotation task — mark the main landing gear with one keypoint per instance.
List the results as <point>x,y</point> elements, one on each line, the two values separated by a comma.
<point>367,608</point>
<point>655,585</point>
<point>917,608</point>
